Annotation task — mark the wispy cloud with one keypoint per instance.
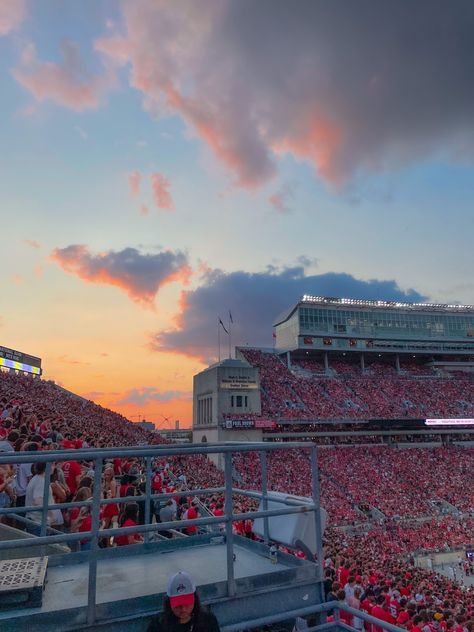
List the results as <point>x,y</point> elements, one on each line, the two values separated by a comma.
<point>32,243</point>
<point>161,193</point>
<point>134,180</point>
<point>12,14</point>
<point>82,133</point>
<point>68,83</point>
<point>147,394</point>
<point>281,199</point>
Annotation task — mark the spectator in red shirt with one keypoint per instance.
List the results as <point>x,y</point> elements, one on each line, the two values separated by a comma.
<point>72,473</point>
<point>379,611</point>
<point>129,518</point>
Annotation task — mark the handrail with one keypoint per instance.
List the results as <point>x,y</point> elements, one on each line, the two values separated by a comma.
<point>146,453</point>
<point>336,606</point>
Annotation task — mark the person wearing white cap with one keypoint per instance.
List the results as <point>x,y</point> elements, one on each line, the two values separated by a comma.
<point>182,610</point>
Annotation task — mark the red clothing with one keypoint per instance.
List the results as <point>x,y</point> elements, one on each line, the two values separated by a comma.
<point>345,617</point>
<point>122,540</point>
<point>382,614</point>
<point>190,515</point>
<point>71,470</point>
<point>123,490</point>
<point>117,466</point>
<point>394,608</point>
<point>74,512</point>
<point>109,511</point>
<point>156,483</point>
<point>343,574</point>
<point>86,525</point>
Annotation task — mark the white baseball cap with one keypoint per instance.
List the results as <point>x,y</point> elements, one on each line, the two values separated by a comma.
<point>181,589</point>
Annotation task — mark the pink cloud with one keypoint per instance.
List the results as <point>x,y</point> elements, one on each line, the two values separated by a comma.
<point>144,210</point>
<point>32,243</point>
<point>280,199</point>
<point>67,83</point>
<point>168,46</point>
<point>12,14</point>
<point>253,80</point>
<point>134,180</point>
<point>161,195</point>
<point>140,275</point>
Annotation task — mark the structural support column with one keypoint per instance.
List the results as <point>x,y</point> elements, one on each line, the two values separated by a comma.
<point>326,361</point>
<point>362,362</point>
<point>397,363</point>
<point>263,469</point>
<point>229,534</point>
<point>317,517</point>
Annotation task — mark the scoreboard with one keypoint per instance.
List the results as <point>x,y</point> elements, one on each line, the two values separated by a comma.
<point>19,361</point>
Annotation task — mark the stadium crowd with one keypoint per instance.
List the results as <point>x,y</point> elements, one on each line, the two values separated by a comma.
<point>401,484</point>
<point>344,391</point>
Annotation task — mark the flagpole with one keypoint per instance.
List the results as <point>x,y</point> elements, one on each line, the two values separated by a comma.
<point>230,335</point>
<point>219,337</point>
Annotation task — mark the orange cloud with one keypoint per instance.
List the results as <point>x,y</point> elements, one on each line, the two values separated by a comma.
<point>319,141</point>
<point>233,150</point>
<point>12,14</point>
<point>139,275</point>
<point>68,83</point>
<point>161,195</point>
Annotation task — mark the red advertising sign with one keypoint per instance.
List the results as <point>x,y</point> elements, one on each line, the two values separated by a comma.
<point>264,423</point>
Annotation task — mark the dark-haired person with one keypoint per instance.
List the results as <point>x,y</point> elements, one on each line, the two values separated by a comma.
<point>129,518</point>
<point>182,609</point>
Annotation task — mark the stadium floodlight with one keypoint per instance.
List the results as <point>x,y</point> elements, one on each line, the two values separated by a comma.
<point>329,300</point>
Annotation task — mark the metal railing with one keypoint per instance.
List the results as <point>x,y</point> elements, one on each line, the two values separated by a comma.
<point>146,455</point>
<point>321,609</point>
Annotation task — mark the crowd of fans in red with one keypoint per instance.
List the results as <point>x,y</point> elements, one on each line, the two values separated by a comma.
<point>366,573</point>
<point>347,392</point>
<point>399,483</point>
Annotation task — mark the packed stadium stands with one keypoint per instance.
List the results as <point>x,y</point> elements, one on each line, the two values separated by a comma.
<point>384,503</point>
<point>350,393</point>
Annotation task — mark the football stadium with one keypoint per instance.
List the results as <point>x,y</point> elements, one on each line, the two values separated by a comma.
<point>328,484</point>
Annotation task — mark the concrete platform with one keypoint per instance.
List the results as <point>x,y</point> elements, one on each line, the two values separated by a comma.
<point>132,587</point>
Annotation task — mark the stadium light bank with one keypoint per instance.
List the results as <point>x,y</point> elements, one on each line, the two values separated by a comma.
<point>329,300</point>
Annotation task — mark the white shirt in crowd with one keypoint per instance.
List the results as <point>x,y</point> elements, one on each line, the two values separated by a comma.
<point>34,496</point>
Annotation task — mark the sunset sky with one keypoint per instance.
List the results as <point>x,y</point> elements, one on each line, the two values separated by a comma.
<point>164,162</point>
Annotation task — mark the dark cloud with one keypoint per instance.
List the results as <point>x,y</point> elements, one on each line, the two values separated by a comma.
<point>139,275</point>
<point>255,300</point>
<point>142,396</point>
<point>348,86</point>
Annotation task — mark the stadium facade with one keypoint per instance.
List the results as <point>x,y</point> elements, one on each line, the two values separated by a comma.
<point>341,339</point>
<point>363,326</point>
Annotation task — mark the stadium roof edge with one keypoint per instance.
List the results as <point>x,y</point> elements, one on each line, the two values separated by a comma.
<point>309,299</point>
